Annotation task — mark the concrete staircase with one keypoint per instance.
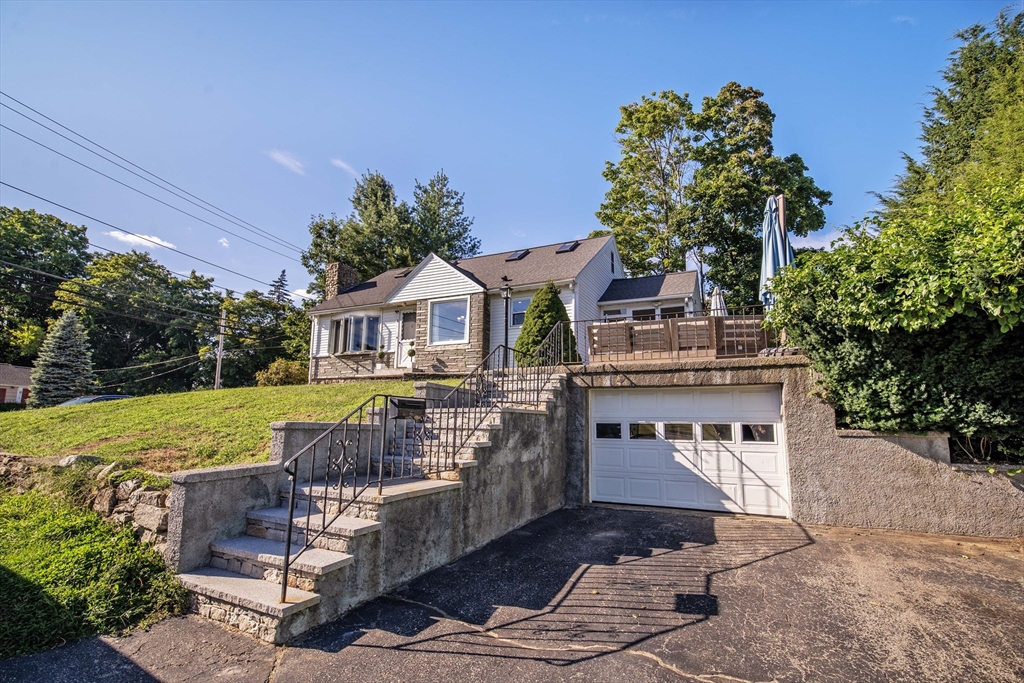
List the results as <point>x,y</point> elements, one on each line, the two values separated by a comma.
<point>350,562</point>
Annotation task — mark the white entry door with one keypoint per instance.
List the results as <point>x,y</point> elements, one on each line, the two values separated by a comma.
<point>406,335</point>
<point>705,449</point>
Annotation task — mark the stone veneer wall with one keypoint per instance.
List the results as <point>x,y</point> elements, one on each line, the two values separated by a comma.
<point>328,369</point>
<point>454,358</point>
<point>841,478</point>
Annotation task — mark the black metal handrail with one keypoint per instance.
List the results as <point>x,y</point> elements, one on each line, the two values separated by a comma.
<point>388,438</point>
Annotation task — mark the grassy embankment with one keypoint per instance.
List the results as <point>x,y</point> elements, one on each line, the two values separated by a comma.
<point>65,574</point>
<point>171,432</point>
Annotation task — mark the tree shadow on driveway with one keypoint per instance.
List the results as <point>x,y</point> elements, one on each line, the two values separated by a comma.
<point>572,586</point>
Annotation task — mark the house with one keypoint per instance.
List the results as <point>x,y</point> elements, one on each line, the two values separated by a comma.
<point>455,314</point>
<point>14,383</point>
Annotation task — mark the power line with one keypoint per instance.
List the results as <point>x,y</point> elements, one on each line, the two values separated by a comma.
<point>121,253</point>
<point>143,379</point>
<point>236,220</point>
<point>149,365</point>
<point>108,291</point>
<point>142,237</point>
<point>144,194</point>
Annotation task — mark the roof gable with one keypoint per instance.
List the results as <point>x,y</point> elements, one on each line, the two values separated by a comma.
<point>669,285</point>
<point>432,278</point>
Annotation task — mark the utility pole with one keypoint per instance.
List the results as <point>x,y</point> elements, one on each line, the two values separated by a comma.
<point>220,346</point>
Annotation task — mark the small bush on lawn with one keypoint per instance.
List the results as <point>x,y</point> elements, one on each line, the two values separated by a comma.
<point>65,574</point>
<point>281,373</point>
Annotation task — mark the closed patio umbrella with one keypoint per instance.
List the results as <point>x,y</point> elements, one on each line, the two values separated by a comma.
<point>777,251</point>
<point>716,304</point>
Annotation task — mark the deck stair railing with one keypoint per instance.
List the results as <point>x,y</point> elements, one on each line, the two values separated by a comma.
<point>389,438</point>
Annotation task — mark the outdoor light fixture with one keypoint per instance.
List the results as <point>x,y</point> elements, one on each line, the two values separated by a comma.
<point>506,295</point>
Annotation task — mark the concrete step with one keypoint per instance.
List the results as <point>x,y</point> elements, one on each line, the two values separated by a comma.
<point>367,506</point>
<point>251,594</point>
<point>263,558</point>
<point>340,536</point>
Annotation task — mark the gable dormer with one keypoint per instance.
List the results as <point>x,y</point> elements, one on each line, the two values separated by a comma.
<point>434,278</point>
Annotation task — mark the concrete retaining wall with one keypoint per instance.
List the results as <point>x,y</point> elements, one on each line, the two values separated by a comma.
<point>850,478</point>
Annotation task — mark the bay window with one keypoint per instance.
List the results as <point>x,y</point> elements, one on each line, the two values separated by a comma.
<point>355,334</point>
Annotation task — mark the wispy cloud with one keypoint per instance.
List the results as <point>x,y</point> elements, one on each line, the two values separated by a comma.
<point>297,294</point>
<point>339,163</point>
<point>821,240</point>
<point>518,233</point>
<point>288,160</point>
<point>144,241</point>
<point>223,241</point>
<point>903,19</point>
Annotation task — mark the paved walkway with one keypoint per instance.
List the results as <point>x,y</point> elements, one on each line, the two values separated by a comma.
<point>602,594</point>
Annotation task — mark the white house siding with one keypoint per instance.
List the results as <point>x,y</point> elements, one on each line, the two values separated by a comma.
<point>497,330</point>
<point>435,279</point>
<point>389,333</point>
<point>321,337</point>
<point>593,280</point>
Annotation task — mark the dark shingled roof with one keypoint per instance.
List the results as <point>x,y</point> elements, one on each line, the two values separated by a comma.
<point>653,287</point>
<point>15,375</point>
<point>537,267</point>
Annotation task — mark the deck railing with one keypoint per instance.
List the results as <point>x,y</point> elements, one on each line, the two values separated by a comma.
<point>389,438</point>
<point>738,334</point>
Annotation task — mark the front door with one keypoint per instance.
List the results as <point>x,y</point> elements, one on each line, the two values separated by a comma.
<point>406,337</point>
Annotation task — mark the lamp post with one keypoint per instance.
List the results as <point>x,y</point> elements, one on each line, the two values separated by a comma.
<point>506,295</point>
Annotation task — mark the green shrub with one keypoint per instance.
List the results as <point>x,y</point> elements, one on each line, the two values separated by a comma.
<point>66,574</point>
<point>544,312</point>
<point>282,372</point>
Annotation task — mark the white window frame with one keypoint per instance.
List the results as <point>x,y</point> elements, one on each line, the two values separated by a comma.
<point>340,337</point>
<point>430,322</point>
<point>512,311</point>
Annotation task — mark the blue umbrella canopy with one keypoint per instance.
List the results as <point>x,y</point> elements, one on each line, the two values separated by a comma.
<point>777,251</point>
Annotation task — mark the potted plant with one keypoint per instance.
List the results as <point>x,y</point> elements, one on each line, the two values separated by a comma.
<point>380,358</point>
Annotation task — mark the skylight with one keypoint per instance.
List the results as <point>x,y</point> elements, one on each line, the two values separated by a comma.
<point>404,272</point>
<point>567,247</point>
<point>517,255</point>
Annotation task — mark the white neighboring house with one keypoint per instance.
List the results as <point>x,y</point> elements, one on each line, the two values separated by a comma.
<point>15,381</point>
<point>454,313</point>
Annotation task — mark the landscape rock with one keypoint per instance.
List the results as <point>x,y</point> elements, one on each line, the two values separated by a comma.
<point>151,517</point>
<point>105,502</point>
<point>72,460</point>
<point>125,488</point>
<point>157,498</point>
<point>121,518</point>
<point>108,470</point>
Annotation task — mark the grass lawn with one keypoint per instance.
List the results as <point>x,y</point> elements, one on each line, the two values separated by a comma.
<point>171,432</point>
<point>65,574</point>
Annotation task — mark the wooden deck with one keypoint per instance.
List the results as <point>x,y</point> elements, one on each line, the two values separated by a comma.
<point>696,337</point>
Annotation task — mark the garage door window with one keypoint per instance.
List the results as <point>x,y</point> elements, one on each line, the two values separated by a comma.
<point>716,431</point>
<point>758,433</point>
<point>641,430</point>
<point>609,430</point>
<point>679,431</point>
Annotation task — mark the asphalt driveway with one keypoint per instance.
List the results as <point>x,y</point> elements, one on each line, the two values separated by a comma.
<point>603,594</point>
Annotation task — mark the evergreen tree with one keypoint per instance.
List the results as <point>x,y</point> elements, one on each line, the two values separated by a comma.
<point>279,289</point>
<point>63,369</point>
<point>441,222</point>
<point>544,312</point>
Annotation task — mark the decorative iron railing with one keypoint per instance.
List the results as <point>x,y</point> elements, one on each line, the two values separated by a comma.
<point>738,334</point>
<point>389,438</point>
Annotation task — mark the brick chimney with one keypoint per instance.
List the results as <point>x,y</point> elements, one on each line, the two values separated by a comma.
<point>339,277</point>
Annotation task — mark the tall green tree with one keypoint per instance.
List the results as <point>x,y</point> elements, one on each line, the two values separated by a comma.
<point>44,243</point>
<point>544,312</point>
<point>63,370</point>
<point>138,313</point>
<point>256,339</point>
<point>279,289</point>
<point>737,171</point>
<point>383,233</point>
<point>441,222</point>
<point>646,207</point>
<point>692,185</point>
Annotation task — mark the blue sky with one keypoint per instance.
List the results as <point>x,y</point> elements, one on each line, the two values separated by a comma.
<point>270,110</point>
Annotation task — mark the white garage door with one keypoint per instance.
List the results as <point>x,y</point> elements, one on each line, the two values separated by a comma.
<point>705,449</point>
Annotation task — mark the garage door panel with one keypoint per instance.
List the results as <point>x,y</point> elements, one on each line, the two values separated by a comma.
<point>681,460</point>
<point>682,493</point>
<point>760,403</point>
<point>711,404</point>
<point>676,403</point>
<point>610,488</point>
<point>609,458</point>
<point>645,459</point>
<point>644,489</point>
<point>718,461</point>
<point>642,403</point>
<point>720,496</point>
<point>761,463</point>
<point>606,403</point>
